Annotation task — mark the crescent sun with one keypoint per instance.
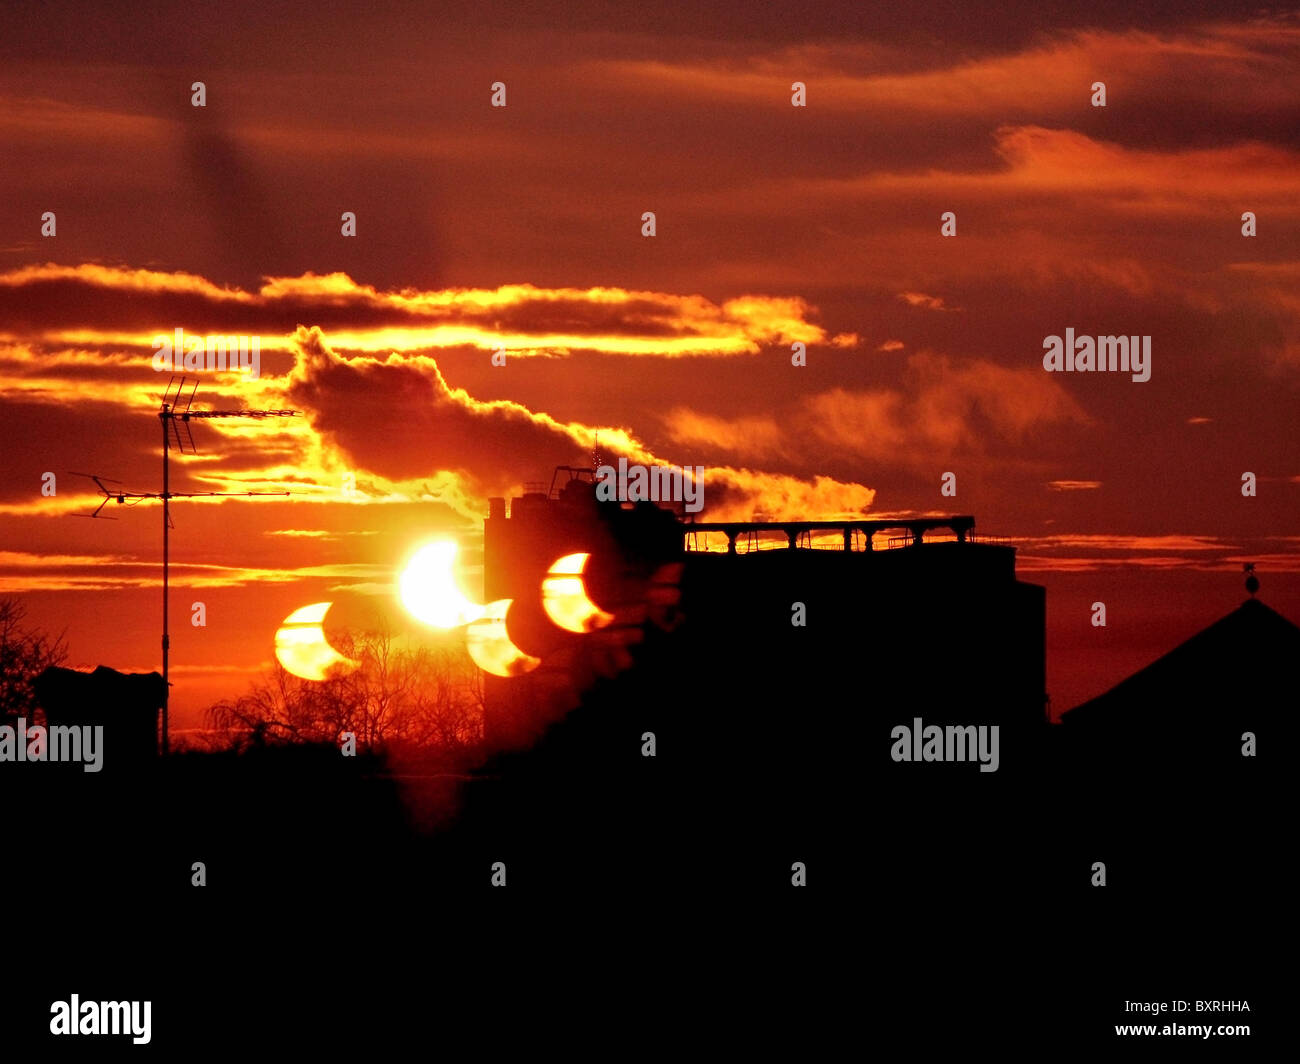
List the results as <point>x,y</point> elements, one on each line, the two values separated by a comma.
<point>301,647</point>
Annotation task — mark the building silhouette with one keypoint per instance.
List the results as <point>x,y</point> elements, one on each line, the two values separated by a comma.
<point>765,729</point>
<point>1186,712</point>
<point>1173,777</point>
<point>920,615</point>
<point>126,705</point>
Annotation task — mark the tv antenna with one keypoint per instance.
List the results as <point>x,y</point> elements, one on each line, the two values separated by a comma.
<point>176,427</point>
<point>1252,581</point>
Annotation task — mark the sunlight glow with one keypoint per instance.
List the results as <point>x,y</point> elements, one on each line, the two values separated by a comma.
<point>428,588</point>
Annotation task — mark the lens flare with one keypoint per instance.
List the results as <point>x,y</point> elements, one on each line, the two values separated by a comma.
<point>301,648</point>
<point>564,597</point>
<point>490,646</point>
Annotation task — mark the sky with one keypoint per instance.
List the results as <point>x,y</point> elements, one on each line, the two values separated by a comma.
<point>520,228</point>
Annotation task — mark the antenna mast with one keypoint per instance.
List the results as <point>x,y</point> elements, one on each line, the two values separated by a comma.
<point>175,426</point>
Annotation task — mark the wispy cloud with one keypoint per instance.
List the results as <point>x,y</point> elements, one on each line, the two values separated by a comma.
<point>84,304</point>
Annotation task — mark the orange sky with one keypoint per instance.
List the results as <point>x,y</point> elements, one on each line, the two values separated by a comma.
<point>520,227</point>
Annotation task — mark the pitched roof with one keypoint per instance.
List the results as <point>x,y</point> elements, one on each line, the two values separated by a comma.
<point>1246,657</point>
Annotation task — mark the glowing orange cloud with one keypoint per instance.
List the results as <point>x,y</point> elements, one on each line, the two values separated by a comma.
<point>524,319</point>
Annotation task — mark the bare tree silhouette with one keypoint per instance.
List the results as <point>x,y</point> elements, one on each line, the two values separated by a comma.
<point>24,653</point>
<point>397,697</point>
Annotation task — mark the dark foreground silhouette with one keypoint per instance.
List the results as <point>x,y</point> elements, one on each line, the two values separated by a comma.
<point>961,896</point>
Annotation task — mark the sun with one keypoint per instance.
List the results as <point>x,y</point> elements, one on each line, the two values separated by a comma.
<point>428,587</point>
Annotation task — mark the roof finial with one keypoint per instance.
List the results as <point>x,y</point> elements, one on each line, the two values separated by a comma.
<point>1252,584</point>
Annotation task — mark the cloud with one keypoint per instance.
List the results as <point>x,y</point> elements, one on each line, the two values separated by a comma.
<point>89,303</point>
<point>319,533</point>
<point>1230,68</point>
<point>24,571</point>
<point>1035,164</point>
<point>754,437</point>
<point>945,406</point>
<point>400,420</point>
<point>1099,552</point>
<point>745,495</point>
<point>1123,543</point>
<point>920,299</point>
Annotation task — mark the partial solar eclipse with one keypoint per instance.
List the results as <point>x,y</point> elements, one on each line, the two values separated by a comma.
<point>300,645</point>
<point>428,588</point>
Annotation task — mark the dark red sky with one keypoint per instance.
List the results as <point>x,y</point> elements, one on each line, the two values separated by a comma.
<point>521,226</point>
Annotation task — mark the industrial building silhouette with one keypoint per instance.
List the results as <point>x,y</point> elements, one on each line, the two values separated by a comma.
<point>930,618</point>
<point>772,738</point>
